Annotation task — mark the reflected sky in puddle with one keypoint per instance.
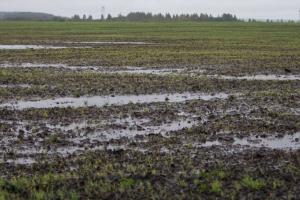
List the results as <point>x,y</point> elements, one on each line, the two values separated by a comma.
<point>73,126</point>
<point>19,161</point>
<point>130,133</point>
<point>154,70</point>
<point>109,42</point>
<point>100,69</point>
<point>136,70</point>
<point>15,86</point>
<point>261,77</point>
<point>100,101</point>
<point>287,142</point>
<point>23,47</point>
<point>62,151</point>
<point>86,136</point>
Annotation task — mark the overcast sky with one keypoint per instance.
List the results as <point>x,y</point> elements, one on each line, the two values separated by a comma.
<point>260,9</point>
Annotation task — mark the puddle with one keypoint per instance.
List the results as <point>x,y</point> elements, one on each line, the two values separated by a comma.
<point>103,130</point>
<point>80,137</point>
<point>130,133</point>
<point>31,65</point>
<point>258,77</point>
<point>15,86</point>
<point>287,142</point>
<point>22,47</point>
<point>20,161</point>
<point>100,101</point>
<point>109,42</point>
<point>100,69</point>
<point>296,111</point>
<point>63,151</point>
<point>211,144</point>
<point>140,70</point>
<point>73,126</point>
<point>79,126</point>
<point>151,70</point>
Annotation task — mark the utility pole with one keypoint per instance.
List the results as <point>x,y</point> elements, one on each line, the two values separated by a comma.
<point>103,13</point>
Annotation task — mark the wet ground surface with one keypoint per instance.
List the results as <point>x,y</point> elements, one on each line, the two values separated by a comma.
<point>238,110</point>
<point>91,43</point>
<point>109,42</point>
<point>147,131</point>
<point>23,47</point>
<point>283,142</point>
<point>164,71</point>
<point>213,125</point>
<point>100,101</point>
<point>260,77</point>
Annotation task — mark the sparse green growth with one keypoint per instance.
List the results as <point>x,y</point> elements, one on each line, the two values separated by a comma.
<point>253,184</point>
<point>277,184</point>
<point>216,187</point>
<point>203,187</point>
<point>126,183</point>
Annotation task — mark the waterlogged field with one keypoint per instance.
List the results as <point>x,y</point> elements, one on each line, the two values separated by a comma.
<point>149,110</point>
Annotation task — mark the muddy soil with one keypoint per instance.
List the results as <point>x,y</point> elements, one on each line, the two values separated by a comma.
<point>147,132</point>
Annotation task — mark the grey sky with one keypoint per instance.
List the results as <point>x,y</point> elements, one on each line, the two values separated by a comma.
<point>260,9</point>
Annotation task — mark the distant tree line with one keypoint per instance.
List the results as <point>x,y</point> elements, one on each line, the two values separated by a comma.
<point>133,16</point>
<point>84,17</point>
<point>142,16</point>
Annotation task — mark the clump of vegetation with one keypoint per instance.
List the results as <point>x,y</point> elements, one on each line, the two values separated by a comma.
<point>216,187</point>
<point>253,184</point>
<point>126,183</point>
